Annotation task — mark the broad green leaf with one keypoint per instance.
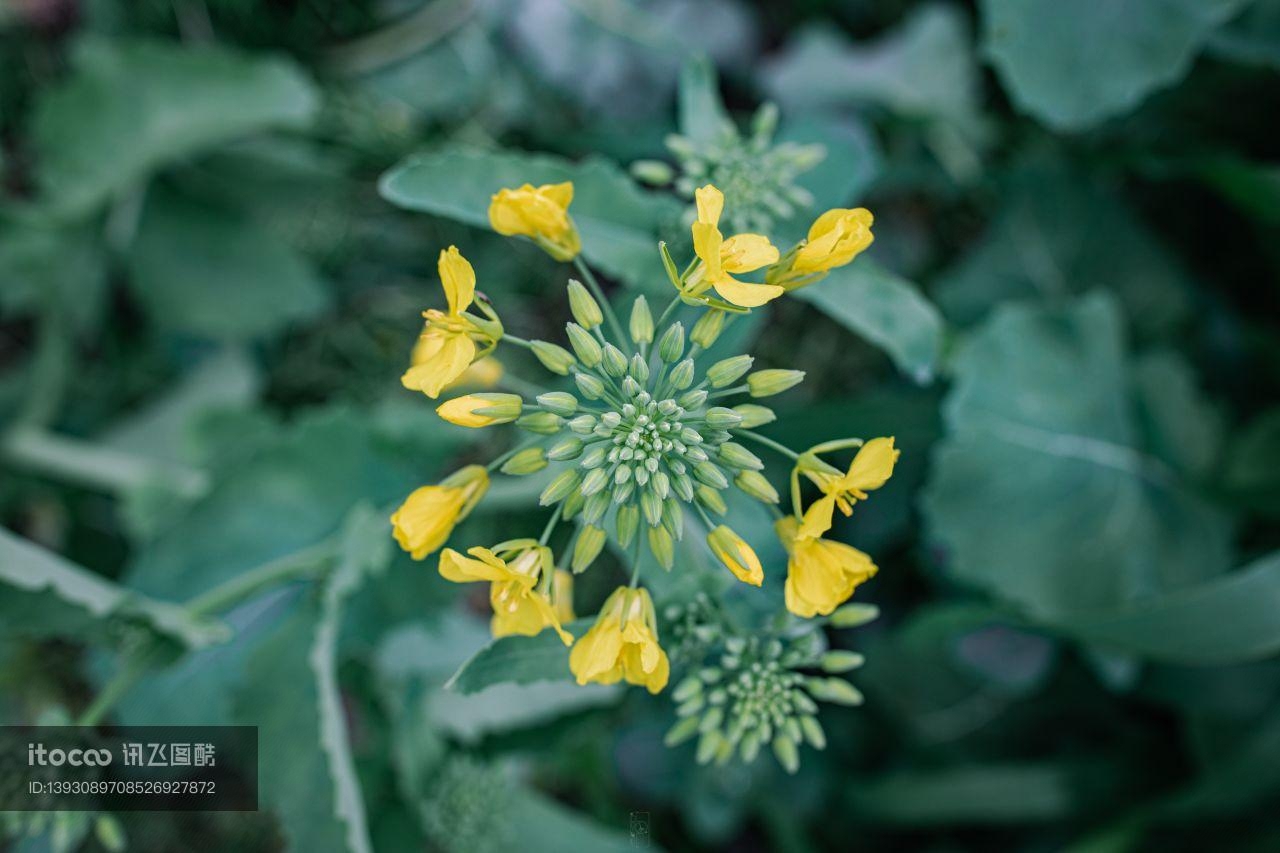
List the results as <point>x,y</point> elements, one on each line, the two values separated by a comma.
<point>1071,65</point>
<point>1043,438</point>
<point>1229,619</point>
<point>853,161</point>
<point>209,271</point>
<point>1059,233</point>
<point>1252,475</point>
<point>885,309</point>
<point>619,222</point>
<point>51,269</point>
<point>702,113</point>
<point>1252,187</point>
<point>1253,36</point>
<point>1178,424</point>
<point>130,107</point>
<point>545,826</point>
<point>517,660</point>
<point>922,70</point>
<point>45,595</point>
<point>970,794</point>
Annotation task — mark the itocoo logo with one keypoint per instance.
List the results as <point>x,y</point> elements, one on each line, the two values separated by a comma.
<point>37,754</point>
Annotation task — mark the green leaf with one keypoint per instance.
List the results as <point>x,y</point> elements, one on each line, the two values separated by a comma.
<point>1253,36</point>
<point>1230,619</point>
<point>1252,187</point>
<point>545,826</point>
<point>885,309</point>
<point>970,794</point>
<point>922,70</point>
<point>49,269</point>
<point>1043,437</point>
<point>47,596</point>
<point>517,660</point>
<point>1179,425</point>
<point>130,107</point>
<point>703,117</point>
<point>209,271</point>
<point>1060,233</point>
<point>1072,65</point>
<point>1252,475</point>
<point>619,222</point>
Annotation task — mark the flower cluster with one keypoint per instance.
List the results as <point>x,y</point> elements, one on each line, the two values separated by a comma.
<point>641,435</point>
<point>757,175</point>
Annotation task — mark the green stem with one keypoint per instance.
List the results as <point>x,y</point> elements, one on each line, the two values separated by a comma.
<point>767,442</point>
<point>95,466</point>
<point>551,524</point>
<point>728,392</point>
<point>635,562</point>
<point>666,313</point>
<point>132,668</point>
<point>521,342</point>
<point>300,564</point>
<point>502,458</point>
<point>598,293</point>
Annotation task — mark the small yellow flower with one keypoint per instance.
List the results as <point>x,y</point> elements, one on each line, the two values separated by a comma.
<point>869,470</point>
<point>736,554</point>
<point>481,410</point>
<point>447,345</point>
<point>623,643</point>
<point>427,517</point>
<point>835,239</point>
<point>720,258</point>
<point>483,373</point>
<point>821,575</point>
<point>539,213</point>
<point>521,605</point>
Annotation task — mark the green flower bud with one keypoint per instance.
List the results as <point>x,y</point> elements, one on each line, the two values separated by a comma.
<point>560,402</point>
<point>595,507</point>
<point>693,399</point>
<point>750,747</point>
<point>559,488</point>
<point>853,615</point>
<point>591,386</point>
<point>711,720</point>
<point>681,731</point>
<point>673,517</point>
<point>766,383</point>
<point>651,505</point>
<point>784,748</point>
<point>791,728</point>
<point>542,423</point>
<point>813,732</point>
<point>662,547</point>
<point>641,322</point>
<point>686,689</point>
<point>661,484</point>
<point>682,375</point>
<point>583,306</point>
<point>652,172</point>
<point>683,485</point>
<point>584,345</point>
<point>755,484</point>
<point>621,474</point>
<point>555,358</point>
<point>708,745</point>
<point>736,456</point>
<point>531,460</point>
<point>708,328</point>
<point>583,424</point>
<point>835,690</point>
<point>572,505</point>
<point>718,417</point>
<point>754,416</point>
<point>626,523</point>
<point>590,542</point>
<point>594,457</point>
<point>728,371</point>
<point>839,660</point>
<point>596,479</point>
<point>711,499</point>
<point>671,347</point>
<point>615,363</point>
<point>708,472</point>
<point>638,369</point>
<point>108,832</point>
<point>569,447</point>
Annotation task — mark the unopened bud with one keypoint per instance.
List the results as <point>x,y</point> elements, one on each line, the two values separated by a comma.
<point>559,488</point>
<point>652,172</point>
<point>718,417</point>
<point>590,542</point>
<point>583,424</point>
<point>755,484</point>
<point>569,447</point>
<point>627,521</point>
<point>615,363</point>
<point>638,370</point>
<point>682,375</point>
<point>662,547</point>
<point>853,615</point>
<point>583,306</point>
<point>641,321</point>
<point>671,347</point>
<point>531,460</point>
<point>839,660</point>
<point>711,499</point>
<point>736,456</point>
<point>586,347</point>
<point>708,328</point>
<point>754,416</point>
<point>542,423</point>
<point>835,690</point>
<point>555,358</point>
<point>728,371</point>
<point>559,402</point>
<point>596,479</point>
<point>766,383</point>
<point>591,386</point>
<point>693,399</point>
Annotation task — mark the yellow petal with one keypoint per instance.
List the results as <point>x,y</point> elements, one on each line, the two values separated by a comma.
<point>746,295</point>
<point>459,569</point>
<point>458,278</point>
<point>426,518</point>
<point>596,653</point>
<point>559,194</point>
<point>736,555</point>
<point>872,466</point>
<point>747,252</point>
<point>710,202</point>
<point>707,242</point>
<point>817,518</point>
<point>450,358</point>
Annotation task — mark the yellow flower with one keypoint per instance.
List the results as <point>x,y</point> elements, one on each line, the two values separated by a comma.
<point>720,258</point>
<point>427,517</point>
<point>835,238</point>
<point>623,643</point>
<point>517,611</point>
<point>483,373</point>
<point>540,213</point>
<point>481,410</point>
<point>447,345</point>
<point>521,605</point>
<point>736,554</point>
<point>869,470</point>
<point>821,575</point>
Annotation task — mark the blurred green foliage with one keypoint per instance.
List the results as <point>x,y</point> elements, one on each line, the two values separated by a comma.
<point>218,227</point>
